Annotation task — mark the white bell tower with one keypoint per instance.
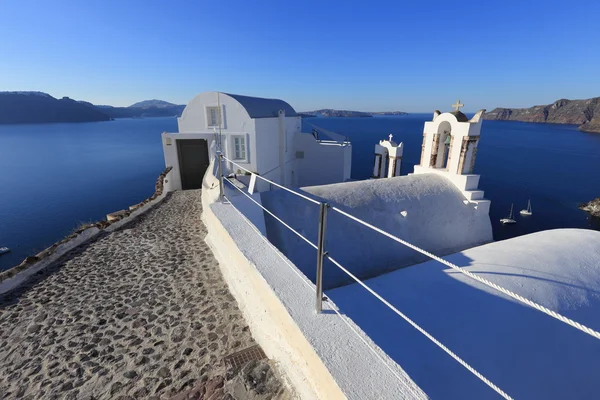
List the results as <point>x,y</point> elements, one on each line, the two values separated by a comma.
<point>449,148</point>
<point>390,153</point>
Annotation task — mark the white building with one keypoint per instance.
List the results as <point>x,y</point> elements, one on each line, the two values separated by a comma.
<point>449,148</point>
<point>388,154</point>
<point>260,135</point>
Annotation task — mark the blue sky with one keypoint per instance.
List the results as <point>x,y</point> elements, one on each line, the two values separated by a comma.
<point>368,55</point>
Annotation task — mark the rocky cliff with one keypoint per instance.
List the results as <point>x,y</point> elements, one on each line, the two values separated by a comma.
<point>585,113</point>
<point>593,207</point>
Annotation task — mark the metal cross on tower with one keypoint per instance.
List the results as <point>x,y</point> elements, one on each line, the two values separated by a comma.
<point>391,136</point>
<point>457,106</point>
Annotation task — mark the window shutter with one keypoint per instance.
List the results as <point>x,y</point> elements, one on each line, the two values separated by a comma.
<point>239,147</point>
<point>213,116</point>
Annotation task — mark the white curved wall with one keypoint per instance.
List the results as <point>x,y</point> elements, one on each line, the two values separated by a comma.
<point>427,210</point>
<point>193,118</point>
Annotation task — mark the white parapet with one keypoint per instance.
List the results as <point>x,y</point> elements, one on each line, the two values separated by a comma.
<point>323,356</point>
<point>467,184</point>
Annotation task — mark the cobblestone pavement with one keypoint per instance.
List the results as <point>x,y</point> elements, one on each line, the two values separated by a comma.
<point>139,313</point>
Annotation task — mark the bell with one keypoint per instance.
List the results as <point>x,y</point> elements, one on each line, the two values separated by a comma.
<point>448,138</point>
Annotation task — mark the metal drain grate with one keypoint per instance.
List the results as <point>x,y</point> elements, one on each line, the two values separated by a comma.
<point>242,357</point>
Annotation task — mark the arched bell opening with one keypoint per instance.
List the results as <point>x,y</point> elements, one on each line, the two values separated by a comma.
<point>444,145</point>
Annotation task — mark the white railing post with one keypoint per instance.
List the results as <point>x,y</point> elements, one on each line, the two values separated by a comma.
<point>321,254</point>
<point>221,188</point>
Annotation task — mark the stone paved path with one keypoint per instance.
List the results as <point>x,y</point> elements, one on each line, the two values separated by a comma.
<point>142,312</point>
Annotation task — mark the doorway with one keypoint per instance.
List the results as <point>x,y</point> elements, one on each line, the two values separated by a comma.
<point>193,162</point>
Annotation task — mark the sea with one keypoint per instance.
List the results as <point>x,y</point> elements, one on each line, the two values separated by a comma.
<point>55,177</point>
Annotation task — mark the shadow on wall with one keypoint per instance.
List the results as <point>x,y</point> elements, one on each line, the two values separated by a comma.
<point>362,251</point>
<point>525,352</point>
<point>425,210</point>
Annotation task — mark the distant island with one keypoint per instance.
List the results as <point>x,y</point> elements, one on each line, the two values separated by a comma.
<point>585,113</point>
<point>39,107</point>
<point>329,112</point>
<point>144,109</point>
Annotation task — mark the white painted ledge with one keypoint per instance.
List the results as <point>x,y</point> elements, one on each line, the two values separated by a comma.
<point>318,353</point>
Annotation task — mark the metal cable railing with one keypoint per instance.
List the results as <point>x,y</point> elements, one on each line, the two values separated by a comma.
<point>322,254</point>
<point>312,287</point>
<point>423,331</point>
<point>269,181</point>
<point>270,213</point>
<point>479,279</point>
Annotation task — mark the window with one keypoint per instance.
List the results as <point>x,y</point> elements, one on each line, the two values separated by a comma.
<point>239,147</point>
<point>213,116</point>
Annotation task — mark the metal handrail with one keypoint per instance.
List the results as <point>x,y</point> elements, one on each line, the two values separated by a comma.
<point>273,215</point>
<point>269,181</point>
<point>471,275</point>
<point>476,277</point>
<point>322,254</point>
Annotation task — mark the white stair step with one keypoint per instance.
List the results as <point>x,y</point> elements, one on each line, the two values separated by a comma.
<point>473,194</point>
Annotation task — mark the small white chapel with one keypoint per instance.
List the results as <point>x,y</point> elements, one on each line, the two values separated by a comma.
<point>260,135</point>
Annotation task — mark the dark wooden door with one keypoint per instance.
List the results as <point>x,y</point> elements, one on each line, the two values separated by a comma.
<point>193,161</point>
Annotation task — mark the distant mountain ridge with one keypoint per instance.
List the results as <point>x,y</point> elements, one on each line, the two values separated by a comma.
<point>585,113</point>
<point>329,112</point>
<point>24,107</point>
<point>38,107</point>
<point>153,103</point>
<point>146,109</point>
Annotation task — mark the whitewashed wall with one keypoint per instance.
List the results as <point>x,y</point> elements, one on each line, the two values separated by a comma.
<point>267,143</point>
<point>293,128</point>
<point>322,163</point>
<point>193,118</point>
<point>425,210</point>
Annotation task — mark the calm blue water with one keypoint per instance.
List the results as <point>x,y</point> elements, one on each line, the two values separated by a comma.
<point>56,176</point>
<point>556,166</point>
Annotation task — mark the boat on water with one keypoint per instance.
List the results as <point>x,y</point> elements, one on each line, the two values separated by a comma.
<point>528,210</point>
<point>4,250</point>
<point>510,219</point>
